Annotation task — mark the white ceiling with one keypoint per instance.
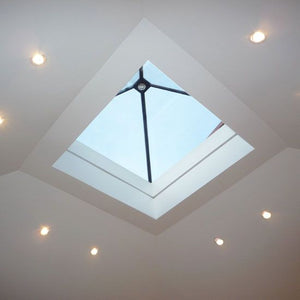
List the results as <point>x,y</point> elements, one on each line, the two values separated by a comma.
<point>259,260</point>
<point>79,36</point>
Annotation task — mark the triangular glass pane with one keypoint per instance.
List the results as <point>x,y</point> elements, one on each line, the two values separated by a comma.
<point>117,133</point>
<point>157,77</point>
<point>177,124</point>
<point>131,82</point>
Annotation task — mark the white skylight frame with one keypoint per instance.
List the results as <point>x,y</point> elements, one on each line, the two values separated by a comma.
<point>212,157</point>
<point>205,149</point>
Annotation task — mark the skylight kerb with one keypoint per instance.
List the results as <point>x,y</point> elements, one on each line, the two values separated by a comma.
<point>150,137</point>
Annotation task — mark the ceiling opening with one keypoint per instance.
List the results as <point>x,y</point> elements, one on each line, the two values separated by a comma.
<point>147,140</point>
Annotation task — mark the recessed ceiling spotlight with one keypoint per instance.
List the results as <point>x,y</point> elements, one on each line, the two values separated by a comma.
<point>266,214</point>
<point>44,230</point>
<point>257,37</point>
<point>1,120</point>
<point>38,59</point>
<point>94,251</point>
<point>219,241</point>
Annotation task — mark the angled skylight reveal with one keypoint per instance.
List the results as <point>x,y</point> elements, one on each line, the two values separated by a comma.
<point>152,146</point>
<point>150,125</point>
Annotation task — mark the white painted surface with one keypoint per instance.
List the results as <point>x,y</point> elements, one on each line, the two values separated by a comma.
<point>175,62</point>
<point>259,259</point>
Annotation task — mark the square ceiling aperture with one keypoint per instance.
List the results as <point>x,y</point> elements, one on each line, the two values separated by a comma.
<point>180,178</point>
<point>152,145</point>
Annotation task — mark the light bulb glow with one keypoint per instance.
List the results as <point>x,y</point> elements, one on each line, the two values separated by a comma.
<point>44,230</point>
<point>219,241</point>
<point>38,59</point>
<point>266,214</point>
<point>257,37</point>
<point>94,251</point>
<point>1,120</point>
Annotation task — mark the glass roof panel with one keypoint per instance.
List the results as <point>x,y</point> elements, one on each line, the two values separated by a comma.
<point>131,82</point>
<point>157,77</point>
<point>177,124</point>
<point>117,133</point>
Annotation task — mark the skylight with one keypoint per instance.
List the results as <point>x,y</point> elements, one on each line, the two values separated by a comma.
<point>152,145</point>
<point>150,125</point>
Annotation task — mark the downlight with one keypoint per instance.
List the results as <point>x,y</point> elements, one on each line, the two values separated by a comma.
<point>219,241</point>
<point>38,59</point>
<point>266,214</point>
<point>257,37</point>
<point>44,230</point>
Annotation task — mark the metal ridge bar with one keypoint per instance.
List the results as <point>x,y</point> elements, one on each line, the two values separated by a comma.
<point>146,137</point>
<point>168,89</point>
<point>125,90</point>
